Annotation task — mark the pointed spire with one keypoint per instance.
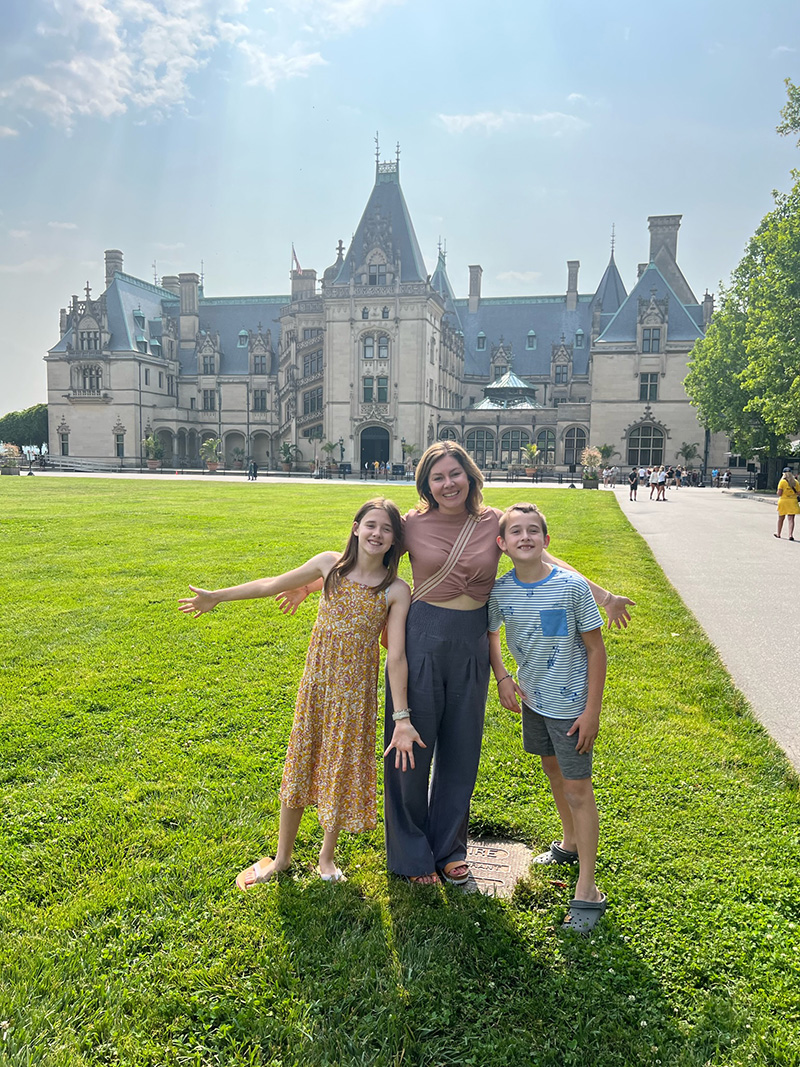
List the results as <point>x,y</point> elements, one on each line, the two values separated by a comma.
<point>613,241</point>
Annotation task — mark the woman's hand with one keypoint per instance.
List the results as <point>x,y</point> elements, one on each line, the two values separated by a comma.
<point>202,601</point>
<point>616,607</point>
<point>402,742</point>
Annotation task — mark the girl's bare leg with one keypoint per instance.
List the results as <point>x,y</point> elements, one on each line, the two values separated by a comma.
<point>326,853</point>
<point>791,525</point>
<point>780,525</point>
<point>266,867</point>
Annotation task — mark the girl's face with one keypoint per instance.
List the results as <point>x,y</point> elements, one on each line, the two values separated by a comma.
<point>374,532</point>
<point>449,485</point>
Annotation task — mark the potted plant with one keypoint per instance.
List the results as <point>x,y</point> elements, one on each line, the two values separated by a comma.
<point>238,458</point>
<point>153,451</point>
<point>209,452</point>
<point>329,448</point>
<point>9,459</point>
<point>289,454</point>
<point>591,460</point>
<point>531,455</point>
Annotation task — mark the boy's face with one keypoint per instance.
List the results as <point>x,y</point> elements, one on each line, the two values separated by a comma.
<point>524,539</point>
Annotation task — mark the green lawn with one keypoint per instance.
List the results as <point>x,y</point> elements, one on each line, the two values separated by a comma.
<point>140,757</point>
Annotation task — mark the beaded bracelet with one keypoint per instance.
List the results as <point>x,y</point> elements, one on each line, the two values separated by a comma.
<point>401,713</point>
<point>499,680</point>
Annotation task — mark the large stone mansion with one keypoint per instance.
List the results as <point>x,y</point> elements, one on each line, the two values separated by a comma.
<point>379,358</point>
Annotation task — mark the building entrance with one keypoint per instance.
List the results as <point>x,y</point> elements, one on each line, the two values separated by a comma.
<point>374,445</point>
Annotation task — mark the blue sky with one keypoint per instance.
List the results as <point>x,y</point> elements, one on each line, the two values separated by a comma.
<point>221,131</point>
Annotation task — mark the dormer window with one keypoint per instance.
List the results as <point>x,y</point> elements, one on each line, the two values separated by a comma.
<point>377,274</point>
<point>138,318</point>
<point>579,339</point>
<point>244,339</point>
<point>651,339</point>
<point>562,374</point>
<point>480,344</point>
<point>530,344</point>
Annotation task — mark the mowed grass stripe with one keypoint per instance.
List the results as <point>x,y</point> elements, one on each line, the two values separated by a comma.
<point>140,758</point>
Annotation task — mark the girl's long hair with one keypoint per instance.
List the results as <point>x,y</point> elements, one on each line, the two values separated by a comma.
<point>792,481</point>
<point>432,455</point>
<point>349,558</point>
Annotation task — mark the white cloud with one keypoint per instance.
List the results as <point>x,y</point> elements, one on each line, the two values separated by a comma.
<point>554,123</point>
<point>782,49</point>
<point>341,16</point>
<point>267,70</point>
<point>20,234</point>
<point>170,248</point>
<point>7,131</point>
<point>38,265</point>
<point>63,225</point>
<point>523,276</point>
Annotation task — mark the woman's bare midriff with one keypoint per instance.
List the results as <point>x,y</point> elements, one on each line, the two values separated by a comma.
<point>460,603</point>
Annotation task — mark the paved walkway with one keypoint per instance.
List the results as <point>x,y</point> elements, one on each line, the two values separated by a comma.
<point>717,549</point>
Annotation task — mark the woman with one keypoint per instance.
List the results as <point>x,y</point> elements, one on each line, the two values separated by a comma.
<point>451,539</point>
<point>788,488</point>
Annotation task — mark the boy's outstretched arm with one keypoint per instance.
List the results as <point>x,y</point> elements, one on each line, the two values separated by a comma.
<point>507,689</point>
<point>207,599</point>
<point>587,725</point>
<point>615,605</point>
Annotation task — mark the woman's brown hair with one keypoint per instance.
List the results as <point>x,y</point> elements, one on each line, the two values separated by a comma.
<point>349,558</point>
<point>443,450</point>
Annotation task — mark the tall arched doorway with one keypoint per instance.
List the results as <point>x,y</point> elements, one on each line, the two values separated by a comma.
<point>374,445</point>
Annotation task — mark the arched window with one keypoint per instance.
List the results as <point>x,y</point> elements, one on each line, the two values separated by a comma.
<point>481,342</point>
<point>448,434</point>
<point>579,339</point>
<point>385,313</point>
<point>244,339</point>
<point>383,347</point>
<point>546,443</point>
<point>369,347</point>
<point>511,444</point>
<point>365,313</point>
<point>574,444</point>
<point>480,445</point>
<point>531,342</point>
<point>646,446</point>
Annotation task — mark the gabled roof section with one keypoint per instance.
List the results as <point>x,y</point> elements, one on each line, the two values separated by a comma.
<point>441,283</point>
<point>611,292</point>
<point>386,224</point>
<point>651,285</point>
<point>673,274</point>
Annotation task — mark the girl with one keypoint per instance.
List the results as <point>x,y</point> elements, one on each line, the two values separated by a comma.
<point>788,490</point>
<point>331,757</point>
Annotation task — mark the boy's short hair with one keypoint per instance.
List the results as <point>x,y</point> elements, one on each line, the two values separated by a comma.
<point>526,509</point>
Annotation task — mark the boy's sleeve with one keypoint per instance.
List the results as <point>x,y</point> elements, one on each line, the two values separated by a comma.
<point>495,615</point>
<point>587,614</point>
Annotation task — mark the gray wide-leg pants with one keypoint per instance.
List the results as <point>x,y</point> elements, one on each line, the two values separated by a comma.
<point>448,682</point>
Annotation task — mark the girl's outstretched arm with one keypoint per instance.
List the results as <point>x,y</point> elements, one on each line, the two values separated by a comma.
<point>289,600</point>
<point>405,735</point>
<point>206,600</point>
<point>615,605</point>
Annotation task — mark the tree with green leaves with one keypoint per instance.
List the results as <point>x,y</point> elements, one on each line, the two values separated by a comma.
<point>688,452</point>
<point>744,375</point>
<point>28,427</point>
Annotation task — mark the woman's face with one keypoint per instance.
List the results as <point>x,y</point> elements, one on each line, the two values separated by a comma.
<point>449,485</point>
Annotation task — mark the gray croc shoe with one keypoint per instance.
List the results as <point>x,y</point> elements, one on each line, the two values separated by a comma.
<point>583,915</point>
<point>556,854</point>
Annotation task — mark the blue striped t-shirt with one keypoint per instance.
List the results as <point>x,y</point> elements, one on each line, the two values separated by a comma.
<point>544,621</point>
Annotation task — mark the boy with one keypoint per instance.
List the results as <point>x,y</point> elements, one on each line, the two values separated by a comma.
<point>554,632</point>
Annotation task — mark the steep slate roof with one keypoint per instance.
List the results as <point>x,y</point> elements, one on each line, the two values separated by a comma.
<point>227,316</point>
<point>441,283</point>
<point>387,202</point>
<point>681,325</point>
<point>610,293</point>
<point>508,391</point>
<point>512,318</point>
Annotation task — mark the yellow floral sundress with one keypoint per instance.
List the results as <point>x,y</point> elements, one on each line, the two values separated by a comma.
<point>331,761</point>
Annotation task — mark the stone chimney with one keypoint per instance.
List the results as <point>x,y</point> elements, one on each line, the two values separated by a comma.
<point>190,313</point>
<point>664,234</point>
<point>172,283</point>
<point>113,263</point>
<point>573,265</point>
<point>304,284</point>
<point>641,269</point>
<point>475,273</point>
<point>708,308</point>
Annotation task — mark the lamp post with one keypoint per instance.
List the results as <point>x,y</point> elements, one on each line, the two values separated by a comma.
<point>341,449</point>
<point>403,446</point>
<point>30,451</point>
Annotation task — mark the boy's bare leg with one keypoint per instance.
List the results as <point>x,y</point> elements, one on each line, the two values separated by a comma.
<point>579,795</point>
<point>553,772</point>
<point>326,853</point>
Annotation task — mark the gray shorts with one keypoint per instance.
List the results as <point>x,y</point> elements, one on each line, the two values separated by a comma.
<point>544,736</point>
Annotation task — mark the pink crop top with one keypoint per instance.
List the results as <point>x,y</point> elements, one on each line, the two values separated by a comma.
<point>428,537</point>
